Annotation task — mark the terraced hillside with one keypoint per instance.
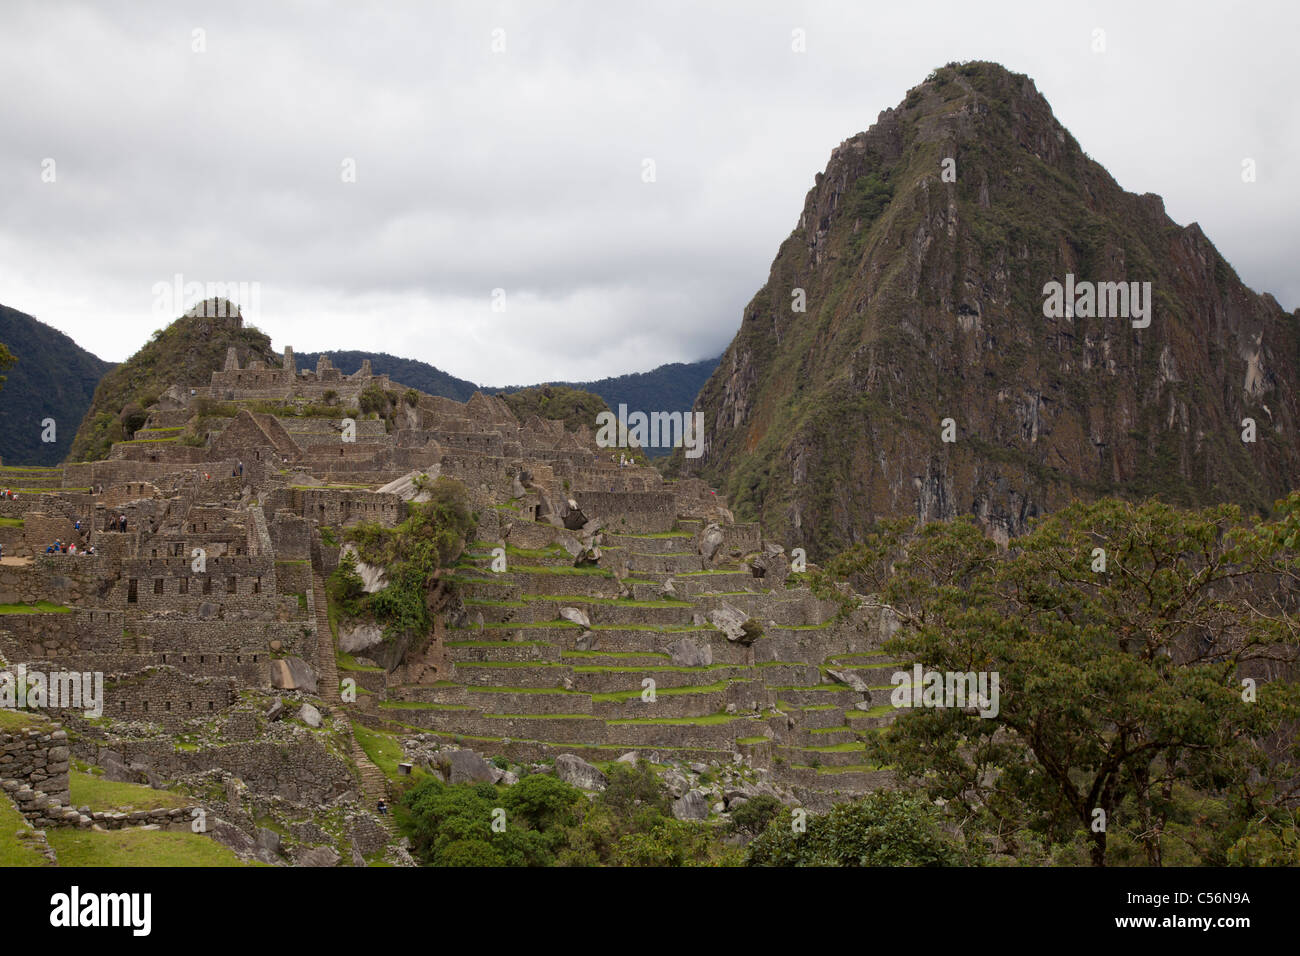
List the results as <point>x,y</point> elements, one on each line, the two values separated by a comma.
<point>546,657</point>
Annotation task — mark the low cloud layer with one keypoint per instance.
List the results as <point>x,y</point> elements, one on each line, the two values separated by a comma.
<point>522,170</point>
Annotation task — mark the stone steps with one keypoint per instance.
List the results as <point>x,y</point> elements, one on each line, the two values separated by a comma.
<point>326,662</point>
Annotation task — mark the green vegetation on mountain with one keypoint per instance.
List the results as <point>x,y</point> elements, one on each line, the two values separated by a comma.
<point>185,353</point>
<point>572,406</point>
<point>668,388</point>
<point>923,297</point>
<point>409,372</point>
<point>49,377</point>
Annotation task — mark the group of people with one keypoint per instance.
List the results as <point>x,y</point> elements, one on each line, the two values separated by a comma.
<point>117,523</point>
<point>9,495</point>
<point>65,547</point>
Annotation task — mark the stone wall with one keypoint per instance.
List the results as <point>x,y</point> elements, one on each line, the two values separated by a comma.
<point>37,757</point>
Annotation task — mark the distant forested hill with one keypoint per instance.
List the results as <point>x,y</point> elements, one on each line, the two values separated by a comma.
<point>54,378</point>
<point>668,388</point>
<point>408,372</point>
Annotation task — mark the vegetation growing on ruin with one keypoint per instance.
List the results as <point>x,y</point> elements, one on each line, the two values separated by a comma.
<point>413,555</point>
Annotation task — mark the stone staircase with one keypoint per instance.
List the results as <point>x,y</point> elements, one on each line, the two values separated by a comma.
<point>326,663</point>
<point>374,786</point>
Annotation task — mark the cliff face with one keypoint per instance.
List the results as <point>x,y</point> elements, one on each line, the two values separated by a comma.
<point>925,301</point>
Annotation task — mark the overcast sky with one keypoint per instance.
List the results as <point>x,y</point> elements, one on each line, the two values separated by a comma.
<point>522,169</point>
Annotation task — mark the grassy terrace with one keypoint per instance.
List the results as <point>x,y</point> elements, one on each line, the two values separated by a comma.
<point>89,790</point>
<point>40,607</point>
<point>617,654</point>
<point>11,522</point>
<point>15,850</point>
<point>420,705</point>
<point>609,602</point>
<point>12,720</point>
<point>709,721</point>
<point>138,848</point>
<point>883,710</point>
<point>622,695</point>
<point>493,643</point>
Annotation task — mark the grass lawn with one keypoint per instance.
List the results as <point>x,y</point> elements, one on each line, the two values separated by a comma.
<point>384,752</point>
<point>20,720</point>
<point>138,848</point>
<point>15,851</point>
<point>40,607</point>
<point>11,522</point>
<point>97,793</point>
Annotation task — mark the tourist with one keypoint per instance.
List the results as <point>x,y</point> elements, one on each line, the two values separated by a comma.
<point>241,469</point>
<point>382,808</point>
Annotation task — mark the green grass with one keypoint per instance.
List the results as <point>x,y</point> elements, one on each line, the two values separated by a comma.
<point>19,720</point>
<point>621,695</point>
<point>11,522</point>
<point>138,848</point>
<point>384,752</point>
<point>419,705</point>
<point>495,643</point>
<point>14,850</point>
<point>40,607</point>
<point>346,662</point>
<point>616,654</point>
<point>615,602</point>
<point>712,719</point>
<point>107,795</point>
<point>751,740</point>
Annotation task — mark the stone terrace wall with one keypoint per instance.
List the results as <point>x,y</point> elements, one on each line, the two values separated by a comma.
<point>68,579</point>
<point>29,637</point>
<point>37,757</point>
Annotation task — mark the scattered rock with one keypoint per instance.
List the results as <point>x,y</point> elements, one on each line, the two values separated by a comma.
<point>692,805</point>
<point>310,716</point>
<point>465,766</point>
<point>359,637</point>
<point>577,772</point>
<point>710,541</point>
<point>293,673</point>
<point>686,653</point>
<point>576,616</point>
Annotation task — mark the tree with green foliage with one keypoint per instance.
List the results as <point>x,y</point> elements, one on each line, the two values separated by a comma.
<point>884,828</point>
<point>7,359</point>
<point>1133,646</point>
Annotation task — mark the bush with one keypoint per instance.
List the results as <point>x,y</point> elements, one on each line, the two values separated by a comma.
<point>753,816</point>
<point>885,828</point>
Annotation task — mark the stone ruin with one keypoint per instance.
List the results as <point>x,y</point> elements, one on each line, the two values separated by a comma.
<point>208,614</point>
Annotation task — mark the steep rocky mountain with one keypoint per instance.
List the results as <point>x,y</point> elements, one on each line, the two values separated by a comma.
<point>186,352</point>
<point>925,284</point>
<point>53,378</point>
